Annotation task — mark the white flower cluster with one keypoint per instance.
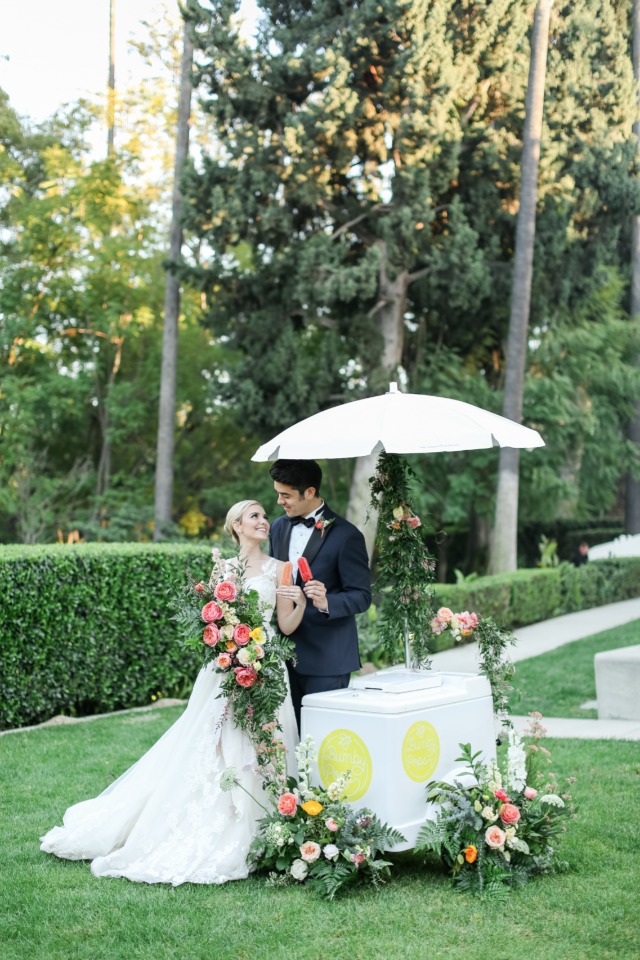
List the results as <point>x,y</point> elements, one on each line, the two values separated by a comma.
<point>516,763</point>
<point>278,834</point>
<point>336,789</point>
<point>552,799</point>
<point>305,755</point>
<point>520,846</point>
<point>495,777</point>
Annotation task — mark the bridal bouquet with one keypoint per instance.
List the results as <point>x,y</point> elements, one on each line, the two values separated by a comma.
<point>314,837</point>
<point>504,828</point>
<point>224,622</point>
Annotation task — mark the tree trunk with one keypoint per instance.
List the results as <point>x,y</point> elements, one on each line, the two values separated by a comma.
<point>166,414</point>
<point>632,502</point>
<point>390,311</point>
<point>504,546</point>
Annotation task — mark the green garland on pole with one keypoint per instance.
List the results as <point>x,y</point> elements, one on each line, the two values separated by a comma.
<point>406,569</point>
<point>406,572</point>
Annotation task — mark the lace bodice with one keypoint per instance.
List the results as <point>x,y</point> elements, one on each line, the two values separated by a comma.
<point>265,585</point>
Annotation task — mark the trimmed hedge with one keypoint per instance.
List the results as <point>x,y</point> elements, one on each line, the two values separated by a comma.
<point>86,629</point>
<point>531,595</point>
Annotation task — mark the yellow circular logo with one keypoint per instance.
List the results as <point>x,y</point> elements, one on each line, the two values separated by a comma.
<point>420,751</point>
<point>342,751</point>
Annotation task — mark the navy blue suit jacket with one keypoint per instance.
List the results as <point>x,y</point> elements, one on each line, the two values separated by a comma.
<point>327,644</point>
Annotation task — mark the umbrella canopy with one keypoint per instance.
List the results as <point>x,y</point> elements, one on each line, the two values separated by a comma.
<point>396,423</point>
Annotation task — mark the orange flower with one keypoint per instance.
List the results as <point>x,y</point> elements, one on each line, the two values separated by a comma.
<point>312,807</point>
<point>471,853</point>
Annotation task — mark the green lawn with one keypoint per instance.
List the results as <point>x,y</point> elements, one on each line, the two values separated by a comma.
<point>56,910</point>
<point>557,683</point>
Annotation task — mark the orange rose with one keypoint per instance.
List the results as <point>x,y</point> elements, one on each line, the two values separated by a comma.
<point>471,853</point>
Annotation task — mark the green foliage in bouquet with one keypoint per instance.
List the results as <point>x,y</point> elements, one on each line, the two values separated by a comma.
<point>501,826</point>
<point>405,566</point>
<point>224,622</point>
<point>313,836</point>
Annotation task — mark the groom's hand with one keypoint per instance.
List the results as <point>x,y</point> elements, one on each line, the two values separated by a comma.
<point>317,593</point>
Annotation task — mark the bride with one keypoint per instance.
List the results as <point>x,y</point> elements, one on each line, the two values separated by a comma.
<point>166,819</point>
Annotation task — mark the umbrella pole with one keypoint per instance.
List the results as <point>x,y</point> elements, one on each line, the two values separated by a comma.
<point>407,646</point>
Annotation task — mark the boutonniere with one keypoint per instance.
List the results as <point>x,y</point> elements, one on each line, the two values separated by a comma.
<point>322,525</point>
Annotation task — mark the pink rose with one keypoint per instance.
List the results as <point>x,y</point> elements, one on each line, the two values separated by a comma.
<point>509,813</point>
<point>242,634</point>
<point>413,522</point>
<point>444,614</point>
<point>494,837</point>
<point>225,591</point>
<point>288,804</point>
<point>211,635</point>
<point>501,795</point>
<point>357,858</point>
<point>310,851</point>
<point>199,587</point>
<point>530,793</point>
<point>211,611</point>
<point>223,661</point>
<point>330,824</point>
<point>246,676</point>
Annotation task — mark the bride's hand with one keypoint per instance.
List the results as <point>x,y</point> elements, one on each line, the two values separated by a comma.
<point>292,593</point>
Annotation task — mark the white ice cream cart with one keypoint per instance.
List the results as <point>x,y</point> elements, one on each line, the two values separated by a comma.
<point>396,730</point>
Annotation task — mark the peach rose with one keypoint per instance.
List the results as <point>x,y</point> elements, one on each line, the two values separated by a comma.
<point>230,646</point>
<point>223,661</point>
<point>211,611</point>
<point>330,824</point>
<point>225,590</point>
<point>246,676</point>
<point>288,804</point>
<point>211,635</point>
<point>310,851</point>
<point>509,813</point>
<point>494,837</point>
<point>259,651</point>
<point>242,634</point>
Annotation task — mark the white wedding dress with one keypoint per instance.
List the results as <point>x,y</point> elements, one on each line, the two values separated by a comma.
<point>166,819</point>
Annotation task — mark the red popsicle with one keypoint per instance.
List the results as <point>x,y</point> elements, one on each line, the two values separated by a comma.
<point>304,569</point>
<point>287,574</point>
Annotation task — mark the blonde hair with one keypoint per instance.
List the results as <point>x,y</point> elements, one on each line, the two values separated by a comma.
<point>234,515</point>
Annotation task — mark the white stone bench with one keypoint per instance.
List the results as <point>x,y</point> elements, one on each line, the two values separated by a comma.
<point>618,683</point>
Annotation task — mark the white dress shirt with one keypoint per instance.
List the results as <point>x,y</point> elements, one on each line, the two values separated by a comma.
<point>300,536</point>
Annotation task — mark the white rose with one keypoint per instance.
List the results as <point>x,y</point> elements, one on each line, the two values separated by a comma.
<point>299,870</point>
<point>489,814</point>
<point>331,852</point>
<point>243,656</point>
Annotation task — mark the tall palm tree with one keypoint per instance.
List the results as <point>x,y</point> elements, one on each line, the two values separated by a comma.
<point>504,544</point>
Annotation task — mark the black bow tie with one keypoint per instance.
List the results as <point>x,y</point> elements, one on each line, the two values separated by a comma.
<point>307,521</point>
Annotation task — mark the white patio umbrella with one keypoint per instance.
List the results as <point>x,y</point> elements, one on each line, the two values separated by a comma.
<point>396,423</point>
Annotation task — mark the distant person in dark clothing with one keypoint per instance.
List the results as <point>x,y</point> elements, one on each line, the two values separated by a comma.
<point>581,555</point>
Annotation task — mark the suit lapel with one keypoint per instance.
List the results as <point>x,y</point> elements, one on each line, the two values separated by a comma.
<point>318,537</point>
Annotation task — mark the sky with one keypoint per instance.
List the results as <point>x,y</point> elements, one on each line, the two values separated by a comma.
<point>55,51</point>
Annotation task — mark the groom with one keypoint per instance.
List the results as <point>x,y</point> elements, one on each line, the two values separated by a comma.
<point>326,641</point>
